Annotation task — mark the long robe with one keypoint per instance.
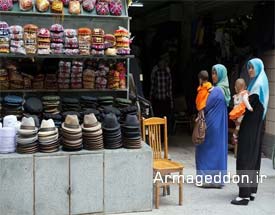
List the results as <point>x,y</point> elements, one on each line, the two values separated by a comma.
<point>211,156</point>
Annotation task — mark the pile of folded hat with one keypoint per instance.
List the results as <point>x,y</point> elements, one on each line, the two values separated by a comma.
<point>109,44</point>
<point>12,105</point>
<point>48,137</point>
<point>122,41</point>
<point>110,109</point>
<point>8,134</point>
<point>71,42</point>
<point>94,111</point>
<point>33,106</point>
<point>115,7</point>
<point>87,102</point>
<point>50,81</point>
<point>131,132</point>
<point>51,104</point>
<point>57,39</point>
<point>84,41</point>
<point>121,68</point>
<point>15,78</point>
<point>132,110</point>
<point>89,79</point>
<point>102,7</point>
<point>38,81</point>
<point>101,76</point>
<point>88,5</point>
<point>4,37</point>
<point>76,74</point>
<point>92,133</point>
<point>72,134</point>
<point>30,38</point>
<point>16,40</point>
<point>27,137</point>
<point>122,102</point>
<point>105,100</point>
<point>64,74</point>
<point>44,41</point>
<point>4,79</point>
<point>98,41</point>
<point>113,79</point>
<point>70,104</point>
<point>111,132</point>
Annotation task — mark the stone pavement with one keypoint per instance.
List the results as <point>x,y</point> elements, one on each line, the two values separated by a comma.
<point>201,201</point>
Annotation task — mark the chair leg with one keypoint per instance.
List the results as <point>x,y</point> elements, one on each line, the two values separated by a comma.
<point>164,190</point>
<point>157,196</point>
<point>180,188</point>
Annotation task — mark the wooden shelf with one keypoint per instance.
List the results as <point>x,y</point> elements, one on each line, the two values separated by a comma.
<point>61,90</point>
<point>107,57</point>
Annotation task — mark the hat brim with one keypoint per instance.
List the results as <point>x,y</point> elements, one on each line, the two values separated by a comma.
<point>47,133</point>
<point>95,128</point>
<point>71,130</point>
<point>27,132</point>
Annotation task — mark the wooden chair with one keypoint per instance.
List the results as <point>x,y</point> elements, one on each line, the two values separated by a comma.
<point>151,128</point>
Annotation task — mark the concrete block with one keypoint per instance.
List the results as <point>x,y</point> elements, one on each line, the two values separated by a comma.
<point>128,180</point>
<point>86,172</point>
<point>51,185</point>
<point>16,185</point>
<point>270,127</point>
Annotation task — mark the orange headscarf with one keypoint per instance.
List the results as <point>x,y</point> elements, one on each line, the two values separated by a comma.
<point>203,93</point>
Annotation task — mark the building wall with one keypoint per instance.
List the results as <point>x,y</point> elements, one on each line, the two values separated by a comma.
<point>269,139</point>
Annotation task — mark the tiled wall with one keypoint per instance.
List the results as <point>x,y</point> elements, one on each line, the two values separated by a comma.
<point>269,62</point>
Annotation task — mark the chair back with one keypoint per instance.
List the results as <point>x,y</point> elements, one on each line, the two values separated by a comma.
<point>152,128</point>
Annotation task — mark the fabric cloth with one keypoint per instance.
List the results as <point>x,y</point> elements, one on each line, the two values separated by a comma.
<point>259,84</point>
<point>203,93</point>
<point>223,81</point>
<point>241,102</point>
<point>161,84</point>
<point>211,156</point>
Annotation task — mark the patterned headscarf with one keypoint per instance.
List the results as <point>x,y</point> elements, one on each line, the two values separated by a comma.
<point>222,81</point>
<point>259,84</point>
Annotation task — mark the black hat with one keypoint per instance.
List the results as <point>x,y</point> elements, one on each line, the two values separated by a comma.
<point>33,105</point>
<point>131,122</point>
<point>110,122</point>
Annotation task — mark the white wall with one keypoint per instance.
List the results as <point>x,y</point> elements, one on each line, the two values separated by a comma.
<point>269,62</point>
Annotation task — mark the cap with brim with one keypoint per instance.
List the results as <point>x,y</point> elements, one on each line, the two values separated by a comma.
<point>48,138</point>
<point>44,132</point>
<point>71,128</point>
<point>27,130</point>
<point>26,140</point>
<point>91,127</point>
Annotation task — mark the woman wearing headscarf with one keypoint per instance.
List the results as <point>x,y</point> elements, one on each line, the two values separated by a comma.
<point>250,134</point>
<point>211,156</point>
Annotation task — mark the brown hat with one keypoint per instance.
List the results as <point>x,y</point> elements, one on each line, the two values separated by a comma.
<point>71,124</point>
<point>90,123</point>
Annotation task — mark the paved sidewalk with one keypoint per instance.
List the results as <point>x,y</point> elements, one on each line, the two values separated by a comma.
<point>201,201</point>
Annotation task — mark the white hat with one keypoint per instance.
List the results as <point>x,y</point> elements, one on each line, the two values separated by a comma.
<point>28,140</point>
<point>90,123</point>
<point>10,121</point>
<point>27,126</point>
<point>47,128</point>
<point>7,140</point>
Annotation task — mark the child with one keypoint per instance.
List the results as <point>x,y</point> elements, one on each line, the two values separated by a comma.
<point>203,90</point>
<point>240,104</point>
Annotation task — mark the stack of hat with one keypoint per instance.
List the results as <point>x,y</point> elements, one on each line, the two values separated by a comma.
<point>121,68</point>
<point>15,77</point>
<point>64,74</point>
<point>57,39</point>
<point>94,111</point>
<point>89,79</point>
<point>110,109</point>
<point>57,118</point>
<point>111,132</point>
<point>1,110</point>
<point>88,5</point>
<point>110,44</point>
<point>84,41</point>
<point>72,134</point>
<point>122,41</point>
<point>98,41</point>
<point>70,104</point>
<point>33,105</point>
<point>113,79</point>
<point>48,137</point>
<point>76,74</point>
<point>4,79</point>
<point>30,38</point>
<point>101,77</point>
<point>131,132</point>
<point>92,133</point>
<point>122,102</point>
<point>132,110</point>
<point>102,7</point>
<point>38,81</point>
<point>27,78</point>
<point>71,42</point>
<point>27,137</point>
<point>13,106</point>
<point>115,7</point>
<point>88,102</point>
<point>4,37</point>
<point>16,40</point>
<point>51,81</point>
<point>44,41</point>
<point>105,100</point>
<point>8,134</point>
<point>51,104</point>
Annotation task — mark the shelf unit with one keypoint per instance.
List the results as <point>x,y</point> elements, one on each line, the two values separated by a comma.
<point>86,19</point>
